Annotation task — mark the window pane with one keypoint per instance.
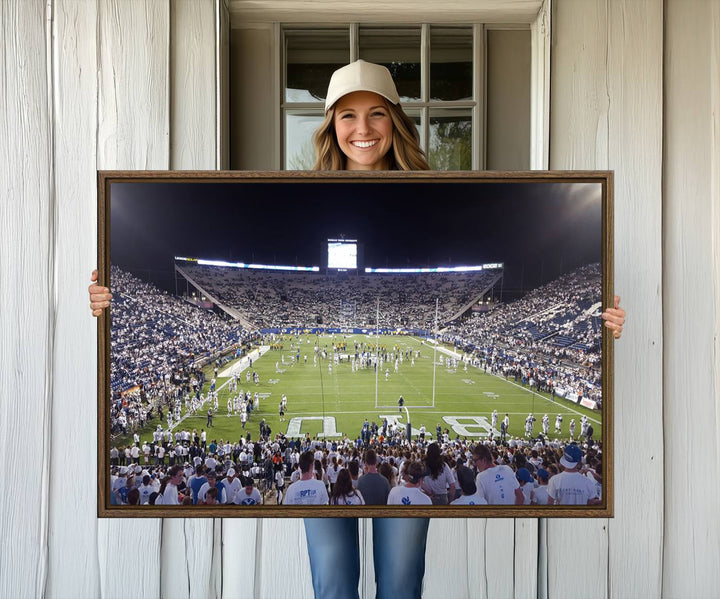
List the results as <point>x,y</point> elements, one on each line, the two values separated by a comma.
<point>451,56</point>
<point>311,58</point>
<point>414,115</point>
<point>299,150</point>
<point>398,50</point>
<point>450,145</point>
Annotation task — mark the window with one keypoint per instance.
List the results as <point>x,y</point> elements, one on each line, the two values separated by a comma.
<point>437,70</point>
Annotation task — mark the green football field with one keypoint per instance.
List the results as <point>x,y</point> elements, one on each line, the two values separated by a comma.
<point>338,402</point>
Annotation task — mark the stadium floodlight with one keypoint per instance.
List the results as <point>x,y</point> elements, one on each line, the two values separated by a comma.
<point>478,268</point>
<point>222,263</point>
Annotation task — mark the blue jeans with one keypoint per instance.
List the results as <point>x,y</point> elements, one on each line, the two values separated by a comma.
<point>398,552</point>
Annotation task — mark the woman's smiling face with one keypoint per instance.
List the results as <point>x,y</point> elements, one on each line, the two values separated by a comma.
<point>364,130</point>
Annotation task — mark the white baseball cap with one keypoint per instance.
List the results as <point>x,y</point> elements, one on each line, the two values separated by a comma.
<point>361,76</point>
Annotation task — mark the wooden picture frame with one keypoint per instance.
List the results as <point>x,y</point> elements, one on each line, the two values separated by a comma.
<point>567,219</point>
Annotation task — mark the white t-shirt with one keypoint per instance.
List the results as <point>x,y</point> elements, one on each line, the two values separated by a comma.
<point>498,485</point>
<point>571,488</point>
<point>145,492</point>
<point>352,499</point>
<point>242,498</point>
<point>170,496</point>
<point>527,489</point>
<point>408,496</point>
<point>205,488</point>
<point>540,495</point>
<point>439,485</point>
<point>306,492</point>
<point>332,473</point>
<point>474,499</point>
<point>232,489</point>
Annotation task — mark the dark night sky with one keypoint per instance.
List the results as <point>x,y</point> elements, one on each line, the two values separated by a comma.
<point>539,230</point>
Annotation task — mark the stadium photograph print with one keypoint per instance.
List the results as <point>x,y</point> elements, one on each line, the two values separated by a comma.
<point>366,339</point>
<point>344,332</point>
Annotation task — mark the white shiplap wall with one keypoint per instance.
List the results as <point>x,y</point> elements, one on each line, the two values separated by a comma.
<point>690,291</point>
<point>606,112</point>
<point>117,84</point>
<point>27,319</point>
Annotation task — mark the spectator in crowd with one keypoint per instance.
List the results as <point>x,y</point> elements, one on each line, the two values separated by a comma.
<point>471,495</point>
<point>212,483</point>
<point>373,485</point>
<point>248,495</point>
<point>526,482</point>
<point>439,484</point>
<point>411,492</point>
<point>540,492</point>
<point>570,487</point>
<point>308,490</point>
<point>343,492</point>
<point>388,472</point>
<point>232,485</point>
<point>497,482</point>
<point>170,494</point>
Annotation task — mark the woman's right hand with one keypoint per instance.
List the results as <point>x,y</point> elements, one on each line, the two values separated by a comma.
<point>99,296</point>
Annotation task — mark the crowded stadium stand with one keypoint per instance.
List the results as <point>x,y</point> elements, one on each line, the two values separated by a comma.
<point>553,333</point>
<point>156,340</point>
<point>261,463</point>
<point>291,299</point>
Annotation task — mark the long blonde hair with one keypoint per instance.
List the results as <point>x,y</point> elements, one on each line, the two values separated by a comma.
<point>404,155</point>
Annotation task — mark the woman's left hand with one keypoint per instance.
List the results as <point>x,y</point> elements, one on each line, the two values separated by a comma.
<point>615,318</point>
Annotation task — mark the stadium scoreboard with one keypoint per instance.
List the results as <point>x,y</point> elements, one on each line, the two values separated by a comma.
<point>342,255</point>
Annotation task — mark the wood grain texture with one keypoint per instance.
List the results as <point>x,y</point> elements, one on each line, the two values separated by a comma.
<point>282,562</point>
<point>526,547</point>
<point>73,521</point>
<point>384,11</point>
<point>476,548</point>
<point>240,567</point>
<point>692,138</point>
<point>635,126</point>
<point>27,316</point>
<point>187,556</point>
<point>193,84</point>
<point>577,559</point>
<point>133,102</point>
<point>607,113</point>
<point>133,124</point>
<point>446,559</point>
<point>579,100</point>
<point>499,542</point>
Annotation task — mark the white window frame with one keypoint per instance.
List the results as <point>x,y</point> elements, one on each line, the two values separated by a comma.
<point>476,106</point>
<point>537,17</point>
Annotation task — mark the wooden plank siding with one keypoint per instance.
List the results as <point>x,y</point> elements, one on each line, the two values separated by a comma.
<point>692,304</point>
<point>87,85</point>
<point>27,318</point>
<point>606,112</point>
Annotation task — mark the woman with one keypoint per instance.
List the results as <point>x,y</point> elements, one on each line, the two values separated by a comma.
<point>364,129</point>
<point>343,492</point>
<point>387,471</point>
<point>439,484</point>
